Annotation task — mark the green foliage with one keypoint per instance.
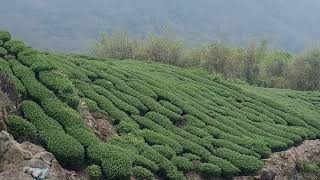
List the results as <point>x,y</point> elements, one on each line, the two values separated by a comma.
<point>142,173</point>
<point>85,137</point>
<point>116,164</point>
<point>68,151</point>
<point>191,157</point>
<point>182,163</point>
<point>155,138</point>
<point>56,81</point>
<point>34,113</point>
<point>3,52</point>
<point>165,150</point>
<point>208,169</point>
<point>146,163</point>
<point>21,128</point>
<point>94,172</point>
<point>172,107</point>
<point>5,36</point>
<point>15,46</point>
<point>247,164</point>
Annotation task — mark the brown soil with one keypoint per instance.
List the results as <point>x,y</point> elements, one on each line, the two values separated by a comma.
<point>101,127</point>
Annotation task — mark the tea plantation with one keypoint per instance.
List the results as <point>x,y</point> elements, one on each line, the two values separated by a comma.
<point>170,121</point>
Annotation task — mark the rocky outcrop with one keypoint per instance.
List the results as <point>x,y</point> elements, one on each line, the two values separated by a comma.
<point>286,165</point>
<point>19,161</point>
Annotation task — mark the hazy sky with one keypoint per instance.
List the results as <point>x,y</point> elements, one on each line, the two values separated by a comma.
<point>72,25</point>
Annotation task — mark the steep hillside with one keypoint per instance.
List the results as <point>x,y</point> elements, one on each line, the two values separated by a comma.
<point>170,122</point>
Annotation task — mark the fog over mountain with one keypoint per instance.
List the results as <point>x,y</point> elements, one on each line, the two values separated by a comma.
<point>71,25</point>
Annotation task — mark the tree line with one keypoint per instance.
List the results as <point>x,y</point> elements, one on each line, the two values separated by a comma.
<point>255,63</point>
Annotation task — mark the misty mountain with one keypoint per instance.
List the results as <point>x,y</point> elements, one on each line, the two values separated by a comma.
<point>72,25</point>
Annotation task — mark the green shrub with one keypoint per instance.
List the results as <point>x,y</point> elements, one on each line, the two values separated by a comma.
<point>85,137</point>
<point>21,128</point>
<point>220,143</point>
<point>142,89</point>
<point>56,81</point>
<point>171,107</point>
<point>116,162</point>
<point>152,137</point>
<point>9,57</point>
<point>146,163</point>
<point>68,151</point>
<point>247,164</point>
<point>117,166</point>
<point>129,109</point>
<point>182,163</point>
<point>5,36</point>
<point>227,168</point>
<point>34,113</point>
<point>15,46</point>
<point>208,169</point>
<point>196,131</point>
<point>193,121</point>
<point>142,173</point>
<point>66,116</point>
<point>126,126</point>
<point>1,42</point>
<point>94,172</point>
<point>165,150</point>
<point>191,157</point>
<point>3,52</point>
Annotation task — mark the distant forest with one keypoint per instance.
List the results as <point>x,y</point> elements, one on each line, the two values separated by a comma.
<point>255,63</point>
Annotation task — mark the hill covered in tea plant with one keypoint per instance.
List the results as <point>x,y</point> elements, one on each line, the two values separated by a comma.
<point>169,121</point>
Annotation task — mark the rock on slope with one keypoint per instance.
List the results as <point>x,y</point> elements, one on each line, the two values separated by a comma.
<point>286,165</point>
<point>16,159</point>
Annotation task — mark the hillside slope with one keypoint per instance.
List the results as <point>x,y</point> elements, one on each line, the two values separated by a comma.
<point>170,121</point>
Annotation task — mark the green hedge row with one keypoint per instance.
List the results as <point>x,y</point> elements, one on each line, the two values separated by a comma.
<point>142,89</point>
<point>6,69</point>
<point>21,128</point>
<point>34,89</point>
<point>167,124</point>
<point>69,152</point>
<point>209,170</point>
<point>34,113</point>
<point>142,173</point>
<point>15,46</point>
<point>129,109</point>
<point>187,145</point>
<point>182,163</point>
<point>247,164</point>
<point>5,36</point>
<point>94,172</point>
<point>115,162</point>
<point>152,138</point>
<point>171,107</point>
<point>124,122</point>
<point>3,52</point>
<point>165,150</point>
<point>56,81</point>
<point>125,97</point>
